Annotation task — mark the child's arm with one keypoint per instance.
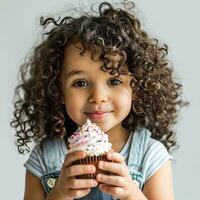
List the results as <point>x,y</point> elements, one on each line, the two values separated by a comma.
<point>33,188</point>
<point>160,185</point>
<point>121,186</point>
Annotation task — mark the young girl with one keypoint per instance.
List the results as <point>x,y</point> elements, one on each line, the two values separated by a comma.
<point>107,69</point>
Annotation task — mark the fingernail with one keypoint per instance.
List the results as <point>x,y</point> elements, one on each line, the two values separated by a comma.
<point>109,155</point>
<point>99,176</point>
<point>93,168</point>
<point>100,164</point>
<point>83,154</point>
<point>94,183</point>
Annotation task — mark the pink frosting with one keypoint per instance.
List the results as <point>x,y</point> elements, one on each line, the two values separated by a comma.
<point>89,138</point>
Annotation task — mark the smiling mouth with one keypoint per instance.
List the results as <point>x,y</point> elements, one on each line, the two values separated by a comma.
<point>98,115</point>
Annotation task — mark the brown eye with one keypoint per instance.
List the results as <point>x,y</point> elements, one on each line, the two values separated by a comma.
<point>114,82</point>
<point>81,84</point>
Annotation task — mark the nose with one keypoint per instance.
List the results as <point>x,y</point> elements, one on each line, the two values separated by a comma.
<point>98,95</point>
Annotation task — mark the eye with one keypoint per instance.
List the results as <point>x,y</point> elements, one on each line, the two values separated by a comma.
<point>81,84</point>
<point>114,81</point>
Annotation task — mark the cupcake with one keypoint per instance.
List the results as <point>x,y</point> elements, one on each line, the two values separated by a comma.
<point>91,139</point>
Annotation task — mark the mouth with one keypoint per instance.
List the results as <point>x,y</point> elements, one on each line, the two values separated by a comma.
<point>98,115</point>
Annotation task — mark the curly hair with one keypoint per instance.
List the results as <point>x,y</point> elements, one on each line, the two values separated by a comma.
<point>115,36</point>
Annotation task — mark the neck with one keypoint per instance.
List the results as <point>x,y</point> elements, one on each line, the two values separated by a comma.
<point>118,137</point>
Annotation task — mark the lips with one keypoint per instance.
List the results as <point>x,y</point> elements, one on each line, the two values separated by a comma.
<point>97,115</point>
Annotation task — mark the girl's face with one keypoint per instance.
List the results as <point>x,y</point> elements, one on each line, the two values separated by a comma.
<point>89,92</point>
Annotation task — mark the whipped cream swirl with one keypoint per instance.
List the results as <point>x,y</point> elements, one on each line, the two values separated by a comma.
<point>89,138</point>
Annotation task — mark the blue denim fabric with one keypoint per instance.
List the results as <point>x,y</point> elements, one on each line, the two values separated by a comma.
<point>96,194</point>
<point>48,180</point>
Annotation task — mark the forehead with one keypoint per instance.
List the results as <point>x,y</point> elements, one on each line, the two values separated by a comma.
<point>73,57</point>
<point>74,60</point>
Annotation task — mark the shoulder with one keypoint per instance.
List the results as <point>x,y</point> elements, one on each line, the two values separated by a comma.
<point>146,143</point>
<point>153,154</point>
<point>47,147</point>
<point>45,156</point>
<point>143,142</point>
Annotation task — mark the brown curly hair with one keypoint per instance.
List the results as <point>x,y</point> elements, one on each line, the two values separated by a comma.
<point>115,36</point>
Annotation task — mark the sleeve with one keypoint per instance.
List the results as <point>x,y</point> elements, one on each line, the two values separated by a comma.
<point>35,162</point>
<point>155,156</point>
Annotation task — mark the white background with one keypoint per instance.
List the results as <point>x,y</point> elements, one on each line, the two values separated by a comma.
<point>174,22</point>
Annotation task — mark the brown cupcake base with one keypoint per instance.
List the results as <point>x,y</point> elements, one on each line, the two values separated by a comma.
<point>94,161</point>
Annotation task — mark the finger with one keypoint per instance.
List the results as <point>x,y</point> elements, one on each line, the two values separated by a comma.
<point>111,180</point>
<point>116,157</point>
<point>112,190</point>
<point>72,157</point>
<point>81,183</point>
<point>75,170</point>
<point>116,168</point>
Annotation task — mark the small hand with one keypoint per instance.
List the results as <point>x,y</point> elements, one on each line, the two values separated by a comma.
<point>68,186</point>
<point>120,184</point>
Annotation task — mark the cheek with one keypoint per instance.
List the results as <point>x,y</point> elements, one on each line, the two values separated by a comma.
<point>124,102</point>
<point>73,105</point>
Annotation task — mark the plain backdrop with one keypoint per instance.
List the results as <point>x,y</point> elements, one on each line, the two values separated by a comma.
<point>175,22</point>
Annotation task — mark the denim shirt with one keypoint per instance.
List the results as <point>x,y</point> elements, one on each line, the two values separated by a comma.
<point>142,154</point>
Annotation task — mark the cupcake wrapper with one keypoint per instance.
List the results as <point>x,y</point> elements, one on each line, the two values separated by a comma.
<point>94,161</point>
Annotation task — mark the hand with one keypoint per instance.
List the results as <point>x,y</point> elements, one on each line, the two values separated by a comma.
<point>68,186</point>
<point>119,185</point>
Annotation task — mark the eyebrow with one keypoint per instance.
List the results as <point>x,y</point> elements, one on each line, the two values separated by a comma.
<point>79,72</point>
<point>74,72</point>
